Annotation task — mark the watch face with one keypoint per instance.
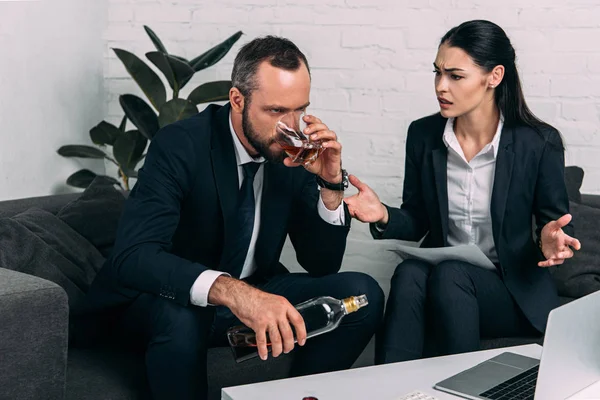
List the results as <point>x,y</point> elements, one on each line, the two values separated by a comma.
<point>345,178</point>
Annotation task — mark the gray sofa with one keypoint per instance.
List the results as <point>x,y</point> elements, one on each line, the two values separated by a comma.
<point>37,358</point>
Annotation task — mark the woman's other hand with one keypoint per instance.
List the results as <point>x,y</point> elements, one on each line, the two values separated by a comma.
<point>556,244</point>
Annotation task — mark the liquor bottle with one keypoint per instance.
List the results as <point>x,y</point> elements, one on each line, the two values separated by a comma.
<point>321,315</point>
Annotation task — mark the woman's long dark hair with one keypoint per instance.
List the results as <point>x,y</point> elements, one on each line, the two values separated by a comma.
<point>487,44</point>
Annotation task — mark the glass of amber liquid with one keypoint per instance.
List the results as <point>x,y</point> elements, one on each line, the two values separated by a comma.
<point>289,132</point>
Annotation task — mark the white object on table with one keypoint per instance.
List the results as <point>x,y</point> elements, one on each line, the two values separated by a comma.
<point>417,395</point>
<point>382,382</point>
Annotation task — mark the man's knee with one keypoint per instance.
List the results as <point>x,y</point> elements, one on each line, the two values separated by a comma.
<point>185,328</point>
<point>357,283</point>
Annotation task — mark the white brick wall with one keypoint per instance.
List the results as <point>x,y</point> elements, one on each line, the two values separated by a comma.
<point>371,62</point>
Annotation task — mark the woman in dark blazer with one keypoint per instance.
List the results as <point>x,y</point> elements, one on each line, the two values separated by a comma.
<point>475,173</point>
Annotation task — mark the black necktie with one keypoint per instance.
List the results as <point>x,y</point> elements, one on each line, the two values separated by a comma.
<point>240,231</point>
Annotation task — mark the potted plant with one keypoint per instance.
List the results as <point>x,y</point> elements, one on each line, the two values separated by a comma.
<point>128,146</point>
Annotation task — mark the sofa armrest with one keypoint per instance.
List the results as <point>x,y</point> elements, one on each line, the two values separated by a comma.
<point>34,319</point>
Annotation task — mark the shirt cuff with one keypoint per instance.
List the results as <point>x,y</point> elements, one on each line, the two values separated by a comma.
<point>200,288</point>
<point>335,217</point>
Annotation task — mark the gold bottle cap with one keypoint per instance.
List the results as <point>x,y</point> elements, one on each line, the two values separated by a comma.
<point>354,303</point>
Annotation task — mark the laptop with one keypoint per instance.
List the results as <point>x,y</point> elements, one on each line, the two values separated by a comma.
<point>570,361</point>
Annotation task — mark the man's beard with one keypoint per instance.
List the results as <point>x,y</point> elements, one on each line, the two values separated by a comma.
<point>261,146</point>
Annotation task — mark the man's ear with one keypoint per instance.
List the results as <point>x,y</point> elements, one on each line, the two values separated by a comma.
<point>237,100</point>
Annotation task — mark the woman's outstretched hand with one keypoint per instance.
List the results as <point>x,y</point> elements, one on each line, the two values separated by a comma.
<point>365,206</point>
<point>556,244</point>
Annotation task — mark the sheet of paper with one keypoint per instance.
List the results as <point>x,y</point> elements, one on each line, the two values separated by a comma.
<point>468,253</point>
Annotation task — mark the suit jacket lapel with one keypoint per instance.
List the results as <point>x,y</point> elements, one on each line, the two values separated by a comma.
<point>440,172</point>
<point>224,164</point>
<point>502,177</point>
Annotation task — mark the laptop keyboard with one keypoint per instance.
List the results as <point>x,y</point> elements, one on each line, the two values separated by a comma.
<point>521,387</point>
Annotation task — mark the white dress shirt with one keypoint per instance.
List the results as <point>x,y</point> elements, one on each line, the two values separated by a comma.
<point>470,187</point>
<point>202,285</point>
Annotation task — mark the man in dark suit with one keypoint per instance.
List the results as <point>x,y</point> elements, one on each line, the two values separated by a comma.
<point>199,242</point>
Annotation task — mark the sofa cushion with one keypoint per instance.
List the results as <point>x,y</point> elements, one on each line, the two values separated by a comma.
<point>486,344</point>
<point>38,243</point>
<point>105,373</point>
<point>95,214</point>
<point>591,200</point>
<point>573,181</point>
<point>580,275</point>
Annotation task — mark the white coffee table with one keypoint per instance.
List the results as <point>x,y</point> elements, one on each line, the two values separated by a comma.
<point>385,382</point>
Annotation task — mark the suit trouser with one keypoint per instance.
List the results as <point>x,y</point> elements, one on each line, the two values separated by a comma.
<point>454,303</point>
<point>176,338</point>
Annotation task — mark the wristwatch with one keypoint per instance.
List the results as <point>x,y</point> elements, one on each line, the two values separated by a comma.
<point>341,186</point>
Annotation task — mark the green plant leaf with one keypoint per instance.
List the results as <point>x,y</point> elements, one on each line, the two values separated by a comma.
<point>155,40</point>
<point>123,124</point>
<point>180,58</point>
<point>175,110</point>
<point>128,149</point>
<point>210,92</point>
<point>212,56</point>
<point>81,151</point>
<point>130,173</point>
<point>104,133</point>
<point>177,72</point>
<point>145,77</point>
<point>140,114</point>
<point>83,178</point>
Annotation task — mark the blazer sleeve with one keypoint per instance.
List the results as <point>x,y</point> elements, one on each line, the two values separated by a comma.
<point>551,200</point>
<point>319,245</point>
<point>410,221</point>
<point>141,258</point>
